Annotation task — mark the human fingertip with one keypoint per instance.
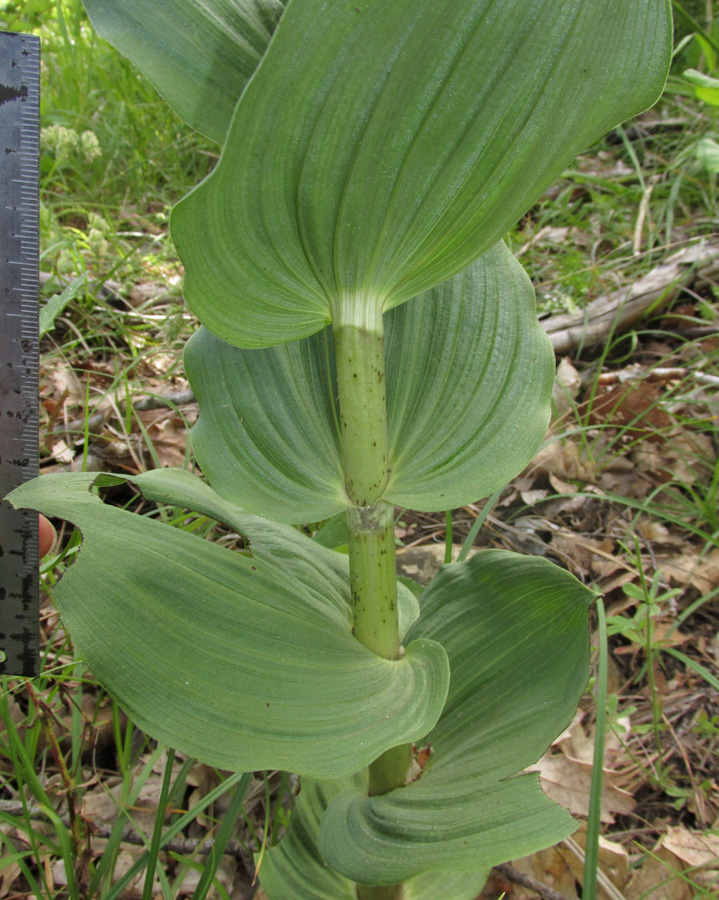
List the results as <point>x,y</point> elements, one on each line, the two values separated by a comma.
<point>47,536</point>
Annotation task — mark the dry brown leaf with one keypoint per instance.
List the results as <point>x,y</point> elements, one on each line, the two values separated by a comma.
<point>551,868</point>
<point>679,461</point>
<point>659,878</point>
<point>565,506</point>
<point>562,458</point>
<point>422,563</point>
<point>562,487</point>
<point>534,496</point>
<point>695,849</point>
<point>98,722</point>
<point>228,874</point>
<point>607,586</point>
<point>657,533</point>
<point>167,433</point>
<point>146,292</point>
<point>9,871</point>
<point>521,483</point>
<point>62,452</point>
<point>627,483</point>
<point>568,782</point>
<point>59,380</point>
<point>635,408</point>
<point>688,568</point>
<point>577,743</point>
<point>160,363</point>
<point>126,859</point>
<point>593,557</point>
<point>652,459</point>
<point>567,384</point>
<point>101,805</point>
<point>696,452</point>
<point>203,779</point>
<point>549,234</point>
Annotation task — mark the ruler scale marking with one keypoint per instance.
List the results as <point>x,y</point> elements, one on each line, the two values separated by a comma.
<point>19,252</point>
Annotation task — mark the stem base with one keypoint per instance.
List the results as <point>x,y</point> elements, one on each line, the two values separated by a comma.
<point>380,892</point>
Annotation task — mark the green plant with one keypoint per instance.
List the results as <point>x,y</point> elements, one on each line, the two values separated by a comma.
<point>369,342</point>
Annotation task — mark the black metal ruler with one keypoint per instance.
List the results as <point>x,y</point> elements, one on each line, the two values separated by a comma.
<point>19,252</point>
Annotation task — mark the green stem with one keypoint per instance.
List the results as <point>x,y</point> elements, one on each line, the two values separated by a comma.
<point>389,771</point>
<point>359,351</point>
<point>373,577</point>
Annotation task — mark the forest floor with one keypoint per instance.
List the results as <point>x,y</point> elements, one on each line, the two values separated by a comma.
<point>623,492</point>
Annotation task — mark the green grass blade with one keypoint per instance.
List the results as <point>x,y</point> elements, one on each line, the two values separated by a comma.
<point>133,783</point>
<point>157,829</point>
<point>35,888</point>
<point>223,836</point>
<point>172,832</point>
<point>67,851</point>
<point>266,831</point>
<point>591,857</point>
<point>25,774</point>
<point>695,26</point>
<point>479,521</point>
<point>699,669</point>
<point>448,538</point>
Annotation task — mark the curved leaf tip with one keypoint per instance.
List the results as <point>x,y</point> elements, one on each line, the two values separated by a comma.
<point>516,631</point>
<point>252,663</point>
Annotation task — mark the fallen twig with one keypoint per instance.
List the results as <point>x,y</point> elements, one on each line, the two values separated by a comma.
<point>659,373</point>
<point>619,309</point>
<point>159,401</point>
<point>517,877</point>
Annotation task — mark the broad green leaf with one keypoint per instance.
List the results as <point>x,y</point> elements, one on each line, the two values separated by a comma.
<point>707,152</point>
<point>705,87</point>
<point>469,375</point>
<point>380,147</point>
<point>469,383</point>
<point>516,632</point>
<point>313,565</point>
<point>333,533</point>
<point>295,867</point>
<point>268,434</point>
<point>57,303</point>
<point>198,54</point>
<point>226,657</point>
<point>447,884</point>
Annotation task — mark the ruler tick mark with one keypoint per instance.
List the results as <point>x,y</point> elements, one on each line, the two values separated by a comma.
<point>19,230</point>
